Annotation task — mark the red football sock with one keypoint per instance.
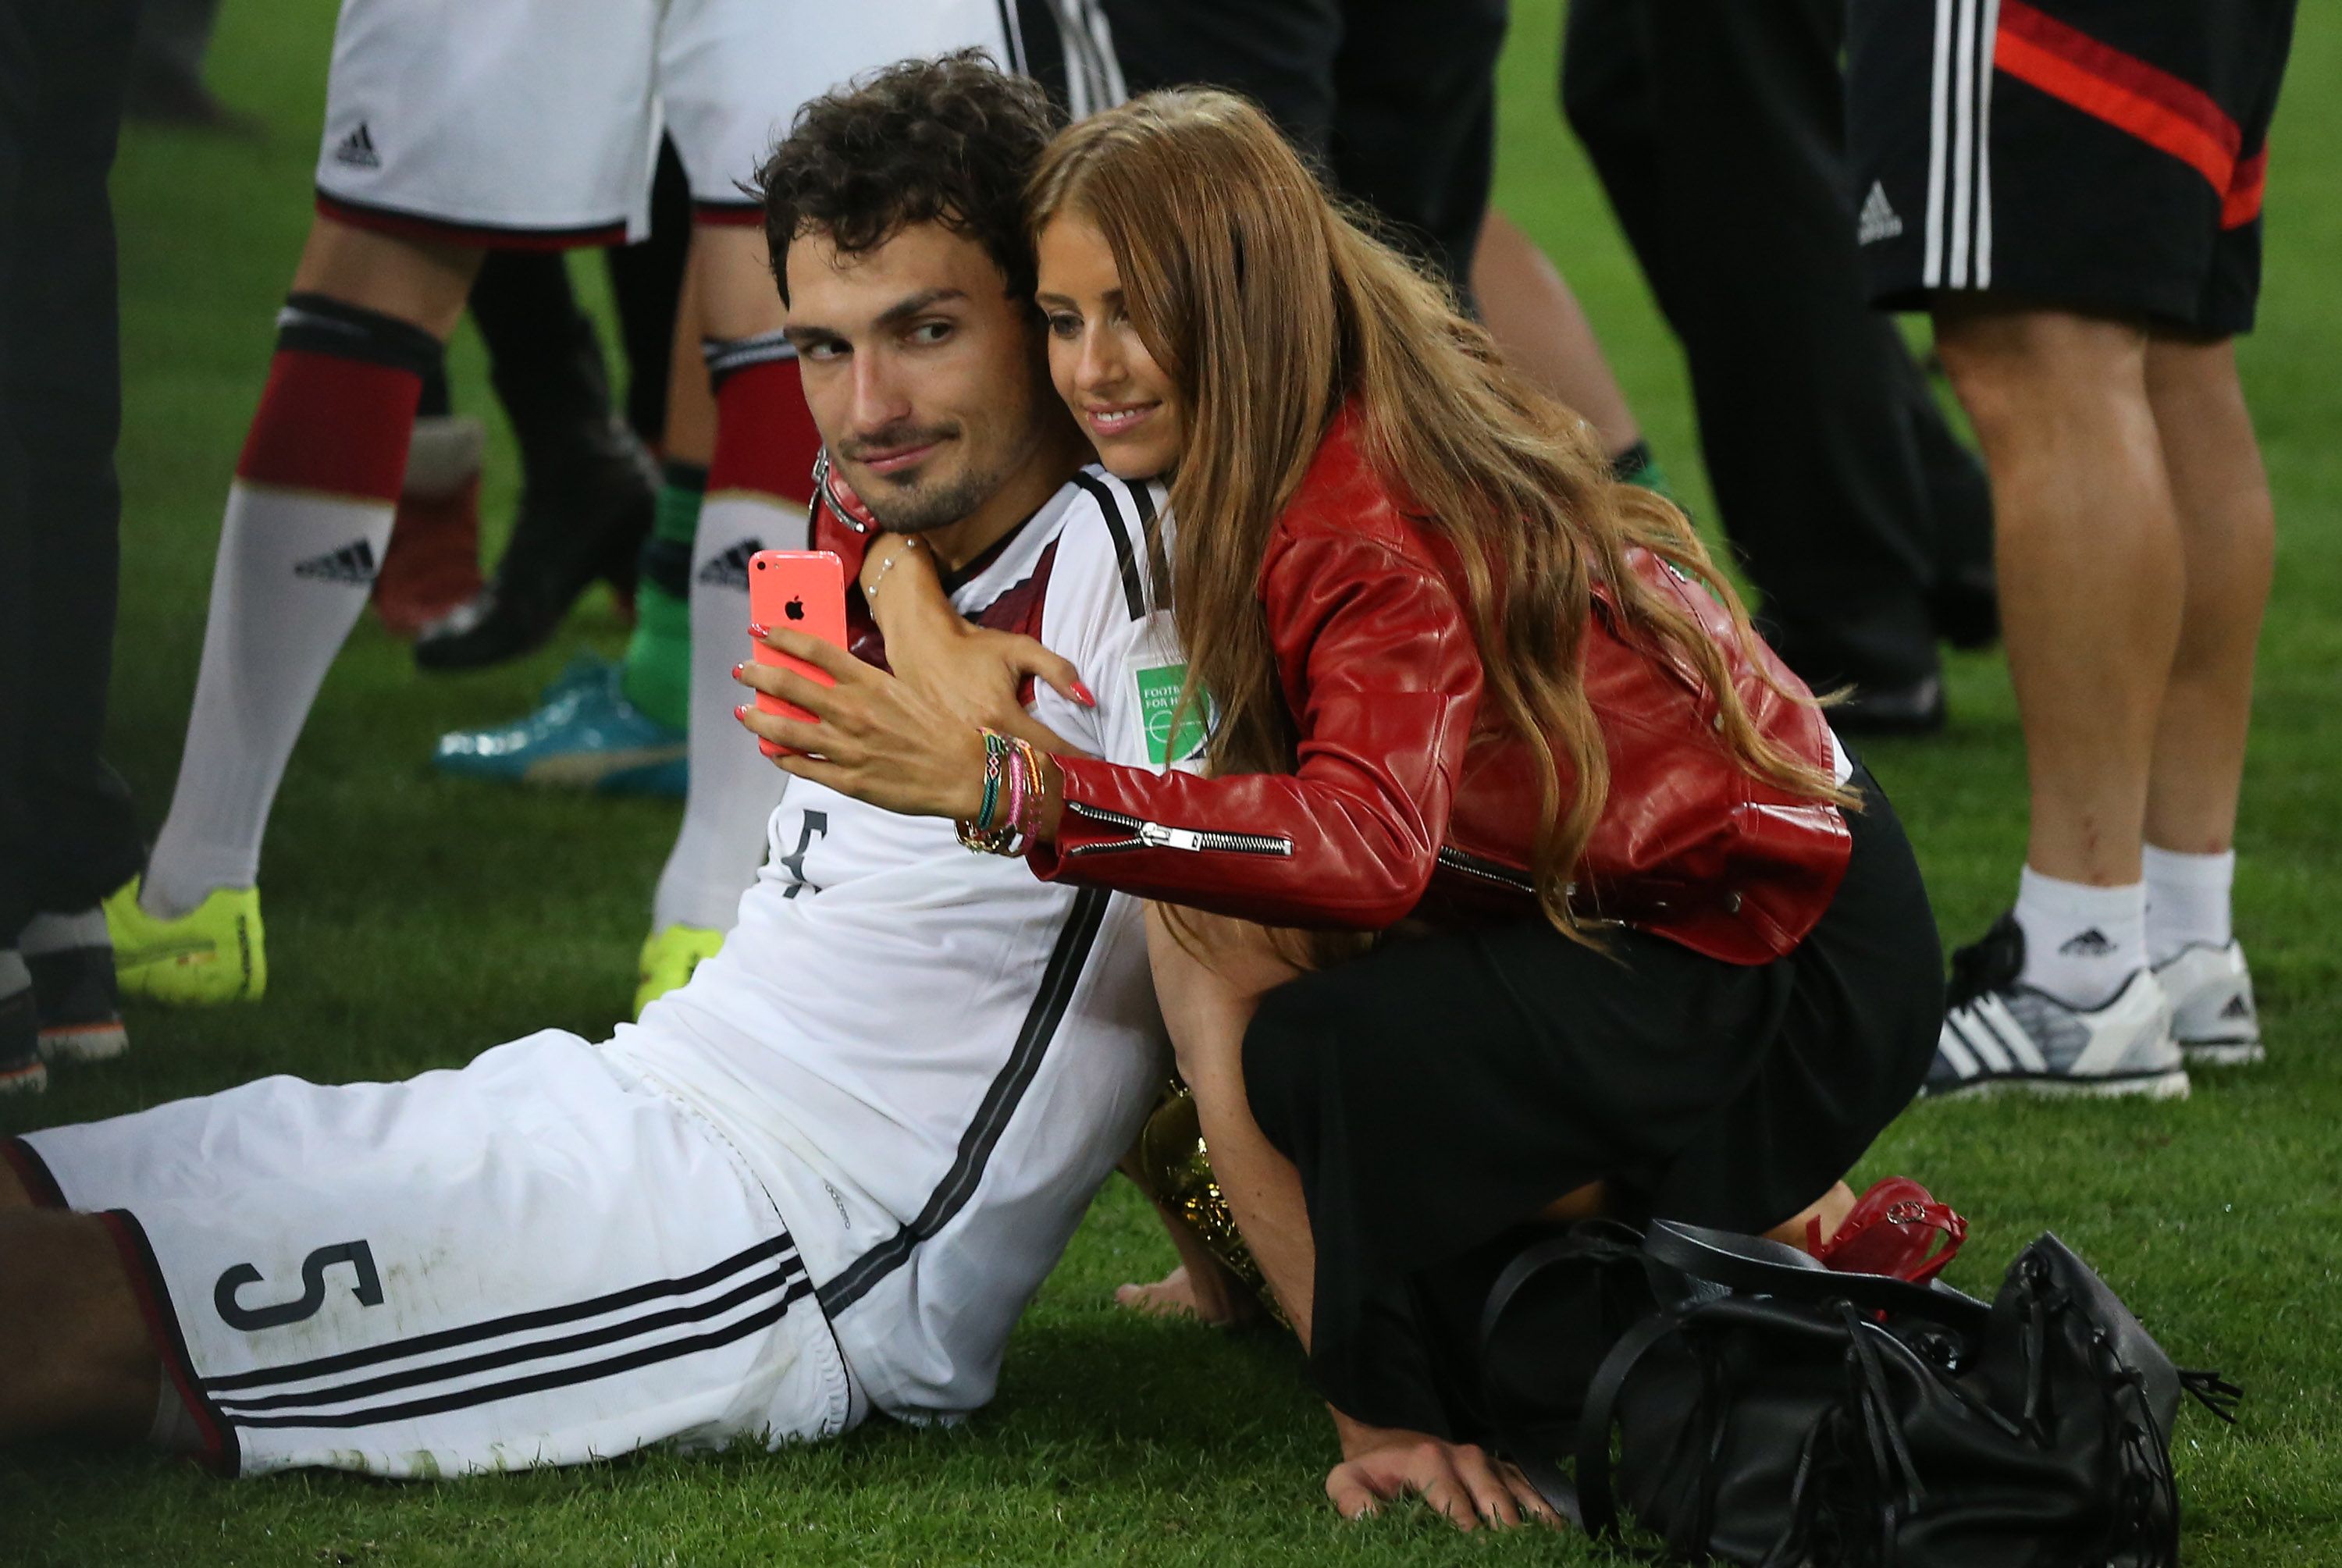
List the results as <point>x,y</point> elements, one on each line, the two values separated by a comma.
<point>765,442</point>
<point>331,426</point>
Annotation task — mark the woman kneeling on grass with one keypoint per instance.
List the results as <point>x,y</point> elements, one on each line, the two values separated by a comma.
<point>1639,940</point>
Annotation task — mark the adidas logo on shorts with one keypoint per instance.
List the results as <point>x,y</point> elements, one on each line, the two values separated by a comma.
<point>352,564</point>
<point>358,149</point>
<point>1880,221</point>
<point>730,570</point>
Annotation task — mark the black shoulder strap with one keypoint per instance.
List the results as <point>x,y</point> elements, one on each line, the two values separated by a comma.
<point>1591,1242</point>
<point>1597,1510</point>
<point>1764,1267</point>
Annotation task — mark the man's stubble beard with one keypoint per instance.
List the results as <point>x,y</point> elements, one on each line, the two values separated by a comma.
<point>934,506</point>
<point>922,507</point>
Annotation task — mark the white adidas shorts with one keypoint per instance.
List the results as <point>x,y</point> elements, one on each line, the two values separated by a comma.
<point>536,123</point>
<point>536,1260</point>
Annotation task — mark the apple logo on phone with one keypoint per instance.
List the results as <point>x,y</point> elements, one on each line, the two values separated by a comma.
<point>794,609</point>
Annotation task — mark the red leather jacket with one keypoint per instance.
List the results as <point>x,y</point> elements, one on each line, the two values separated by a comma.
<point>1403,802</point>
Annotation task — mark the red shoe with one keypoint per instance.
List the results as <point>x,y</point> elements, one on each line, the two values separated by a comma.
<point>432,564</point>
<point>1890,1231</point>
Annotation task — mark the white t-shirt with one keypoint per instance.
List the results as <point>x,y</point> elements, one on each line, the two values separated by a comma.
<point>931,1058</point>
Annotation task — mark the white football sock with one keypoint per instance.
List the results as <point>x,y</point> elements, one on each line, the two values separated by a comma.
<point>2187,901</point>
<point>734,785</point>
<point>64,933</point>
<point>2082,943</point>
<point>292,577</point>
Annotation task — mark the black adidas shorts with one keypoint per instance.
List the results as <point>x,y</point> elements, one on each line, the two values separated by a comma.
<point>2106,155</point>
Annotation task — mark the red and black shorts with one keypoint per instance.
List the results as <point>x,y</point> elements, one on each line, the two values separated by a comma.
<point>2105,155</point>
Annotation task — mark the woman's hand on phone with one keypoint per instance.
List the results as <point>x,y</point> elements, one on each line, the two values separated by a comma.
<point>878,739</point>
<point>977,672</point>
<point>974,671</point>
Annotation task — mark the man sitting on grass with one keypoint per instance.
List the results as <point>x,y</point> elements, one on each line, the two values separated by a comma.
<point>823,1177</point>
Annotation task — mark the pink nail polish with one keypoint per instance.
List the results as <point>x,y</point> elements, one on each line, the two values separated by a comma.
<point>736,669</point>
<point>741,713</point>
<point>1081,695</point>
<point>758,630</point>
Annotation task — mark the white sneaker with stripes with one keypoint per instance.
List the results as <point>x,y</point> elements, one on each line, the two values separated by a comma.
<point>2212,1010</point>
<point>1999,1033</point>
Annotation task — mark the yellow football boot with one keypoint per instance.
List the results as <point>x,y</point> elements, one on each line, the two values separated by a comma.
<point>668,958</point>
<point>211,955</point>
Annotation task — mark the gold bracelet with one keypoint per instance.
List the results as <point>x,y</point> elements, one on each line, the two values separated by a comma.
<point>870,595</point>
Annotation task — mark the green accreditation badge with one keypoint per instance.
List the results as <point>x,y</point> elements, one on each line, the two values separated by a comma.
<point>1159,705</point>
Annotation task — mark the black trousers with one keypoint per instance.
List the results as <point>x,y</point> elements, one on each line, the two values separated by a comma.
<point>1717,127</point>
<point>68,836</point>
<point>1441,1090</point>
<point>1395,99</point>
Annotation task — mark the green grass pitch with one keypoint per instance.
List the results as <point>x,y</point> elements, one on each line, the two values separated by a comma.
<point>415,922</point>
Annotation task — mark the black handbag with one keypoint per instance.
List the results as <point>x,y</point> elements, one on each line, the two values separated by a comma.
<point>1746,1405</point>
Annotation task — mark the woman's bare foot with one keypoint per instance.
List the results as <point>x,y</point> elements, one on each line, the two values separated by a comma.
<point>1212,1295</point>
<point>1821,1220</point>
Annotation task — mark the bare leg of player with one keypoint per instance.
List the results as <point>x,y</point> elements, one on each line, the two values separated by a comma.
<point>1537,322</point>
<point>689,433</point>
<point>79,1359</point>
<point>2092,583</point>
<point>414,281</point>
<point>2227,534</point>
<point>2091,574</point>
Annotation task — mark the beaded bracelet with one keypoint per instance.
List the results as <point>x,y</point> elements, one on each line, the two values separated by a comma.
<point>1013,778</point>
<point>979,833</point>
<point>995,758</point>
<point>870,595</point>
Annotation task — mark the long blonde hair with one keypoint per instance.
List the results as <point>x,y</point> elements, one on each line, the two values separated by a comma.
<point>1269,307</point>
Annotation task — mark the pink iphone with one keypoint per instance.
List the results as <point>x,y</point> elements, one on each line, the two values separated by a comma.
<point>804,591</point>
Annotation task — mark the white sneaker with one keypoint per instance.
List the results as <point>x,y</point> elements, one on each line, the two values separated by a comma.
<point>2212,1011</point>
<point>1999,1033</point>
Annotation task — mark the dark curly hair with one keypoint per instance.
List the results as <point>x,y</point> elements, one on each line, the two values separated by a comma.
<point>947,141</point>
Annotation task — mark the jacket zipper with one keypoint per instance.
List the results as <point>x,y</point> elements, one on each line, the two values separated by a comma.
<point>1485,870</point>
<point>1155,835</point>
<point>1506,876</point>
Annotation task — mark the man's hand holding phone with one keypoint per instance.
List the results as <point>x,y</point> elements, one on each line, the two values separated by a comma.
<point>864,734</point>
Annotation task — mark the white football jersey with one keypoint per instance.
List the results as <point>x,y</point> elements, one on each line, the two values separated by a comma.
<point>930,1057</point>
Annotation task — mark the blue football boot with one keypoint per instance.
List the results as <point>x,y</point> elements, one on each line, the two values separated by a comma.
<point>585,735</point>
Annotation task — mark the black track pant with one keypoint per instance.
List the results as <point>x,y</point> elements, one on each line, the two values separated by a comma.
<point>1717,129</point>
<point>68,836</point>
